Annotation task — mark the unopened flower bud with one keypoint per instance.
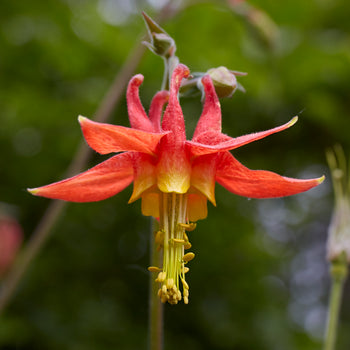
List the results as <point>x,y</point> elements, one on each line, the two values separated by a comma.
<point>224,81</point>
<point>161,43</point>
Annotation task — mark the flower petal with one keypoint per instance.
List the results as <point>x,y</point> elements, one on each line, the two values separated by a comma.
<point>107,138</point>
<point>174,168</point>
<point>211,115</point>
<point>144,175</point>
<point>150,204</point>
<point>173,119</point>
<point>212,142</point>
<point>137,115</point>
<point>196,207</point>
<point>203,175</point>
<point>240,180</point>
<point>100,182</point>
<point>155,110</point>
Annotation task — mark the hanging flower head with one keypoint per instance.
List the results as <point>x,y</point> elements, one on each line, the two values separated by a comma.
<point>173,177</point>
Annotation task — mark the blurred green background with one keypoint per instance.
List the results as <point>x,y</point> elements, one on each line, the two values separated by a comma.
<point>260,279</point>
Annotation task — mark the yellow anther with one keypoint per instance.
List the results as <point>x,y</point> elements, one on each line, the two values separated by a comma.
<point>186,269</point>
<point>189,227</point>
<point>185,285</point>
<point>159,239</point>
<point>161,277</point>
<point>154,269</point>
<point>169,283</point>
<point>188,257</point>
<point>185,300</point>
<point>187,245</point>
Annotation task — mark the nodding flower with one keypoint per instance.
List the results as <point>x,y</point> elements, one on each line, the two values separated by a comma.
<point>173,177</point>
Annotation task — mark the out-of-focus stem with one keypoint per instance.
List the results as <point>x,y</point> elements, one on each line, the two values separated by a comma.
<point>156,325</point>
<point>339,272</point>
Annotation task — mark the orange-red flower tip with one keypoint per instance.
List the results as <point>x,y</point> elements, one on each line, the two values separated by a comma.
<point>136,80</point>
<point>81,119</point>
<point>181,71</point>
<point>34,191</point>
<point>292,121</point>
<point>320,179</point>
<point>137,115</point>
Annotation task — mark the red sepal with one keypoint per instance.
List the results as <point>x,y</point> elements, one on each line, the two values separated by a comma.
<point>240,180</point>
<point>100,182</point>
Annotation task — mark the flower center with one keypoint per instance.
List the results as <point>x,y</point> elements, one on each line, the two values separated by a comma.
<point>173,239</point>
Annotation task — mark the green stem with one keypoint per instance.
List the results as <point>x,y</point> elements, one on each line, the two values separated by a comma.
<point>155,305</point>
<point>165,82</point>
<point>338,271</point>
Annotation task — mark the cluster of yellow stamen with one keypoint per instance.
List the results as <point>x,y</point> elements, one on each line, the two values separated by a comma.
<point>173,239</point>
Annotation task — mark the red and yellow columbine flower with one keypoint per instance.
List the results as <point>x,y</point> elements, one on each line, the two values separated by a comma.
<point>173,177</point>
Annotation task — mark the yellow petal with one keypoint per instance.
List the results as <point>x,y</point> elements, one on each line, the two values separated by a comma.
<point>203,176</point>
<point>145,175</point>
<point>197,207</point>
<point>150,204</point>
<point>174,170</point>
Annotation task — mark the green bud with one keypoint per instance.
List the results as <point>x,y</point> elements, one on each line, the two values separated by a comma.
<point>224,81</point>
<point>161,43</point>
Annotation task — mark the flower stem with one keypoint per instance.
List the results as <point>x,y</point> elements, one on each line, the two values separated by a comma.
<point>338,271</point>
<point>165,82</point>
<point>155,306</point>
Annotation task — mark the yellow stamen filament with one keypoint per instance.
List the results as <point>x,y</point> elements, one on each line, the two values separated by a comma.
<point>173,239</point>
